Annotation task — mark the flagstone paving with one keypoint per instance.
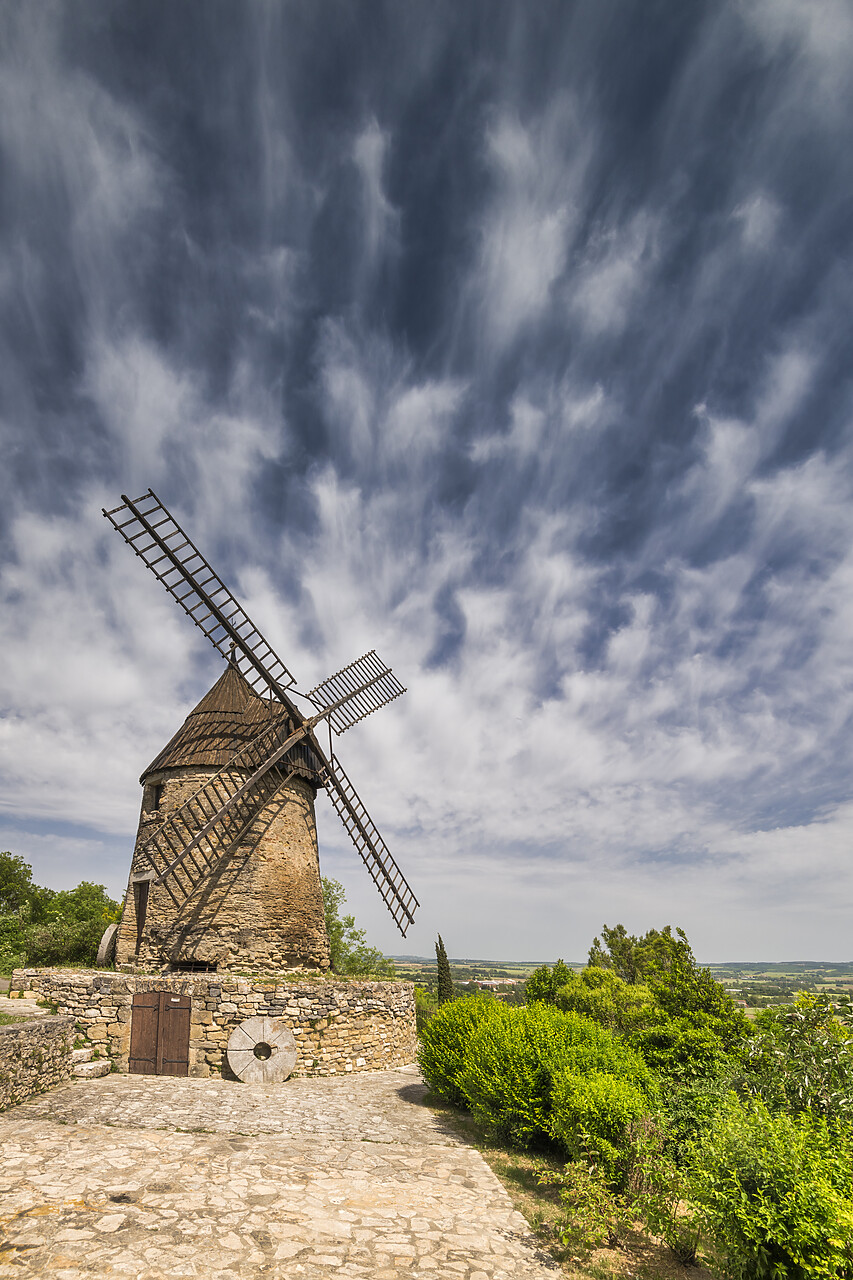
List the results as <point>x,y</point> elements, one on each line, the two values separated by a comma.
<point>352,1177</point>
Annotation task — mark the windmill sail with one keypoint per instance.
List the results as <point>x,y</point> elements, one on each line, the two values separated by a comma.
<point>189,844</point>
<point>387,876</point>
<point>356,691</point>
<point>162,545</point>
<point>214,819</point>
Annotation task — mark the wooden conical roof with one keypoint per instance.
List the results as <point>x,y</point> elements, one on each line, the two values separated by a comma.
<point>228,716</point>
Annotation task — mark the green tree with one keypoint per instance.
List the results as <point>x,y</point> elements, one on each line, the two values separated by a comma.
<point>445,977</point>
<point>647,959</point>
<point>602,995</point>
<point>801,1059</point>
<point>16,884</point>
<point>544,983</point>
<point>665,962</point>
<point>350,953</point>
<point>41,926</point>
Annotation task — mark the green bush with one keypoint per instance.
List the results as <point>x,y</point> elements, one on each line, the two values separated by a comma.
<point>656,1188</point>
<point>65,942</point>
<point>685,1049</point>
<point>514,1058</point>
<point>544,983</point>
<point>775,1194</point>
<point>801,1059</point>
<point>688,1109</point>
<point>446,1038</point>
<point>591,1115</point>
<point>592,1214</point>
<point>600,994</point>
<point>425,1007</point>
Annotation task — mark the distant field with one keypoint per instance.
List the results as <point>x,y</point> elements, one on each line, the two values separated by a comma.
<point>755,984</point>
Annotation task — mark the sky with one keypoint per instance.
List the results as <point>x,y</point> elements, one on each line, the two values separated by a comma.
<point>510,338</point>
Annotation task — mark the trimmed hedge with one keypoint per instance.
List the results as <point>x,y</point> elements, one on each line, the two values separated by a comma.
<point>445,1040</point>
<point>518,1057</point>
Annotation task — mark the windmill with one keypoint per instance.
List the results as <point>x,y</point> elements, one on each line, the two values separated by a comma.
<point>225,870</point>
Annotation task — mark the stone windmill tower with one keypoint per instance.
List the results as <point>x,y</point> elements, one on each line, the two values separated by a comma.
<point>225,871</point>
<point>262,906</point>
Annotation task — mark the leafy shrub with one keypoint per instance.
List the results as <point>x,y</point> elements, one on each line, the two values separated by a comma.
<point>515,1057</point>
<point>591,1115</point>
<point>65,942</point>
<point>802,1059</point>
<point>544,983</point>
<point>775,1193</point>
<point>688,1109</point>
<point>684,1049</point>
<point>593,1215</point>
<point>656,1189</point>
<point>600,994</point>
<point>445,1040</point>
<point>50,927</point>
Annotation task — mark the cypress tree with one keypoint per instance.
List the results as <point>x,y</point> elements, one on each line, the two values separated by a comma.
<point>445,978</point>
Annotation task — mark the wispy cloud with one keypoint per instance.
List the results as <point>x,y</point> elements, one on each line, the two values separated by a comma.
<point>513,349</point>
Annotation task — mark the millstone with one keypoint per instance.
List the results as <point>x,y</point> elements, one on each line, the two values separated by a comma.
<point>262,1051</point>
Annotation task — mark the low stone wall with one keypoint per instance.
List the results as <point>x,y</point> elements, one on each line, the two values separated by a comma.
<point>34,1056</point>
<point>339,1026</point>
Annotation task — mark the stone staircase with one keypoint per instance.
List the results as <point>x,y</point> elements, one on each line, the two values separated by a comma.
<point>85,1066</point>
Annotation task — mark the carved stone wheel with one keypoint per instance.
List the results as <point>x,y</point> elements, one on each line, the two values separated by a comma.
<point>262,1051</point>
<point>107,947</point>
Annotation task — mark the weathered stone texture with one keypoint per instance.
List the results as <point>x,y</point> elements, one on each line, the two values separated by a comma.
<point>34,1056</point>
<point>260,909</point>
<point>339,1026</point>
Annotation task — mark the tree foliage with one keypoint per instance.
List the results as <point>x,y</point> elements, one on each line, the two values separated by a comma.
<point>801,1059</point>
<point>544,983</point>
<point>671,1108</point>
<point>602,995</point>
<point>774,1193</point>
<point>350,953</point>
<point>445,977</point>
<point>17,890</point>
<point>40,926</point>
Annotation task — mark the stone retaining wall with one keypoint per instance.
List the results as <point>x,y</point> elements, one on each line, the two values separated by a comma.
<point>339,1026</point>
<point>34,1056</point>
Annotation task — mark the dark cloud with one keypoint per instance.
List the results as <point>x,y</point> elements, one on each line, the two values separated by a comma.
<point>509,339</point>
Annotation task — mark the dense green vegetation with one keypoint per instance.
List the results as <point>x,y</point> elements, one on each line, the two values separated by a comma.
<point>651,1098</point>
<point>349,950</point>
<point>41,926</point>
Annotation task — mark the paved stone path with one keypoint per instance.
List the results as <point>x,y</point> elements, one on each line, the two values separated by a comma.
<point>351,1177</point>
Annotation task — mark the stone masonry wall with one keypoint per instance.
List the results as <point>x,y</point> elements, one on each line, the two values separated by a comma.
<point>339,1026</point>
<point>34,1056</point>
<point>259,908</point>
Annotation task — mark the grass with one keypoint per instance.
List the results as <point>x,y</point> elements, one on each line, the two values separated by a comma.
<point>642,1257</point>
<point>6,1019</point>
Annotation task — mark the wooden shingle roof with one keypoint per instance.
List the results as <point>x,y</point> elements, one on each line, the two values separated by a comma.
<point>229,715</point>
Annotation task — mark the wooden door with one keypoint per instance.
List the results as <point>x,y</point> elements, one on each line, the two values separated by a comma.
<point>160,1034</point>
<point>144,1023</point>
<point>173,1039</point>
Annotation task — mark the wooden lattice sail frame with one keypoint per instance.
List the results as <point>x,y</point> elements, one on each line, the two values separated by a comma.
<point>185,853</point>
